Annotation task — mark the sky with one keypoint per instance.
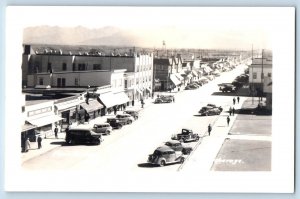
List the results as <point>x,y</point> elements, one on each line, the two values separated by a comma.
<point>179,27</point>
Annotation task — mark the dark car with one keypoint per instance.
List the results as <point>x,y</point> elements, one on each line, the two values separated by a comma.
<point>134,114</point>
<point>82,136</point>
<point>162,100</point>
<point>128,119</point>
<point>115,123</point>
<point>186,135</point>
<point>210,109</point>
<point>226,87</point>
<point>177,146</point>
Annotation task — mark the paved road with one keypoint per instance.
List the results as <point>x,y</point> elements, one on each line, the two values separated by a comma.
<point>127,149</point>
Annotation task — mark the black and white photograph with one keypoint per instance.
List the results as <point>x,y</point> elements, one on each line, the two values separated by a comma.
<point>150,99</point>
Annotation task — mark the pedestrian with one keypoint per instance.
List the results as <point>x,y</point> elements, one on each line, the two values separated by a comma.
<point>39,140</point>
<point>209,129</point>
<point>115,110</point>
<point>230,111</point>
<point>27,145</point>
<point>233,110</point>
<point>142,102</point>
<point>55,131</point>
<point>228,120</point>
<point>173,99</point>
<point>238,99</point>
<point>233,101</point>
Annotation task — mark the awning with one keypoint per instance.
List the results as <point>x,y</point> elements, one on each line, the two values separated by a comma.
<point>65,105</point>
<point>179,77</point>
<point>91,106</point>
<point>27,127</point>
<point>175,79</point>
<point>108,99</point>
<point>139,91</point>
<point>44,120</point>
<point>207,69</point>
<point>121,98</point>
<point>148,90</point>
<point>194,73</point>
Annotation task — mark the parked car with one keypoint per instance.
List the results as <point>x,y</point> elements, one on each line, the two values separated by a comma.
<point>128,119</point>
<point>226,87</point>
<point>165,155</point>
<point>103,128</point>
<point>210,77</point>
<point>82,136</point>
<point>178,147</point>
<point>162,100</point>
<point>194,84</point>
<point>190,87</point>
<point>203,80</point>
<point>134,114</point>
<point>186,135</point>
<point>167,97</point>
<point>210,110</point>
<point>115,123</point>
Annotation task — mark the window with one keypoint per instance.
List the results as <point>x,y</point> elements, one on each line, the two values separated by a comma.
<point>96,66</point>
<point>23,109</point>
<point>76,82</point>
<point>41,81</point>
<point>64,66</point>
<point>269,74</point>
<point>74,66</point>
<point>49,68</point>
<point>262,75</point>
<point>81,67</point>
<point>254,75</point>
<point>125,84</point>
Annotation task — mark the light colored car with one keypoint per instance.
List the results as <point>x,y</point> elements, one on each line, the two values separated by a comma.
<point>134,114</point>
<point>128,119</point>
<point>165,155</point>
<point>103,128</point>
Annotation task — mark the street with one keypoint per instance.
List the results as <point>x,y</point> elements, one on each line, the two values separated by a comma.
<point>127,149</point>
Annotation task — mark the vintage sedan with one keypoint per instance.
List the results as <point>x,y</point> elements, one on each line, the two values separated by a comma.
<point>165,155</point>
<point>103,128</point>
<point>133,113</point>
<point>210,110</point>
<point>162,100</point>
<point>177,146</point>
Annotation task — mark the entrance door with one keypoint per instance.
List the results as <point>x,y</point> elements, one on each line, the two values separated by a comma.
<point>58,82</point>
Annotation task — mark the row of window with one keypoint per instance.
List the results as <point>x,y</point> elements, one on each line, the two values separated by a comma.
<point>81,67</point>
<point>144,79</point>
<point>262,75</point>
<point>143,68</point>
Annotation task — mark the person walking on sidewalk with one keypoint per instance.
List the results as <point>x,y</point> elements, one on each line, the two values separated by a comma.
<point>233,110</point>
<point>238,99</point>
<point>39,140</point>
<point>142,102</point>
<point>233,101</point>
<point>228,120</point>
<point>209,129</point>
<point>173,99</point>
<point>27,145</point>
<point>230,111</point>
<point>55,131</point>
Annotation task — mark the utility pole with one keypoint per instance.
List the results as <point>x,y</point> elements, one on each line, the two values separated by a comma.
<point>262,73</point>
<point>252,87</point>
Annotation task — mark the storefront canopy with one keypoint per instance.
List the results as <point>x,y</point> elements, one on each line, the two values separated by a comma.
<point>174,79</point>
<point>179,77</point>
<point>27,127</point>
<point>194,73</point>
<point>42,121</point>
<point>108,99</point>
<point>121,98</point>
<point>93,105</point>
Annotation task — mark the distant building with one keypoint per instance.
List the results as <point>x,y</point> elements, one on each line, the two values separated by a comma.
<point>260,77</point>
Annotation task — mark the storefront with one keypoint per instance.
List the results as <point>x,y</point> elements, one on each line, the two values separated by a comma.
<point>66,108</point>
<point>121,100</point>
<point>108,101</point>
<point>90,110</point>
<point>43,126</point>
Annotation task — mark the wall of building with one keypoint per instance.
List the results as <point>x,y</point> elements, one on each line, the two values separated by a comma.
<point>73,79</point>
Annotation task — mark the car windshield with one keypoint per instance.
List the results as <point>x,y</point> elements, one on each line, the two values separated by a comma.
<point>157,153</point>
<point>168,144</point>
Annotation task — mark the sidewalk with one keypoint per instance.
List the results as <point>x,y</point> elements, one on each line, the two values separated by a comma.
<point>205,153</point>
<point>240,133</point>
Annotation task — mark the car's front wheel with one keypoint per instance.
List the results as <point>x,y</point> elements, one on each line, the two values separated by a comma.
<point>162,163</point>
<point>181,160</point>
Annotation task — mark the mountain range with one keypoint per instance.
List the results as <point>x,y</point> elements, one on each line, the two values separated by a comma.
<point>80,35</point>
